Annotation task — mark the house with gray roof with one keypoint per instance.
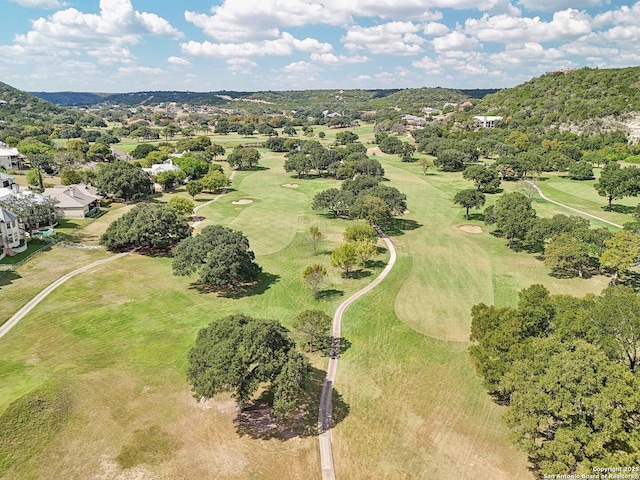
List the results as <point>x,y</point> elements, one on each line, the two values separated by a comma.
<point>75,201</point>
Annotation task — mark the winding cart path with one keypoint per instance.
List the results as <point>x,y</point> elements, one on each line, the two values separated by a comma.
<point>544,197</point>
<point>324,415</point>
<point>31,304</point>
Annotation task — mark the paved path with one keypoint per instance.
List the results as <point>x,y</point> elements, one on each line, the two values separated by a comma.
<point>324,415</point>
<point>544,197</point>
<point>30,305</point>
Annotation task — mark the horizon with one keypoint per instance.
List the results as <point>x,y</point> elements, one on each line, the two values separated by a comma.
<point>121,46</point>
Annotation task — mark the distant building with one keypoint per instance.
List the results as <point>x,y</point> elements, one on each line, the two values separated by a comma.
<point>414,121</point>
<point>432,110</point>
<point>487,121</point>
<point>6,180</point>
<point>10,158</point>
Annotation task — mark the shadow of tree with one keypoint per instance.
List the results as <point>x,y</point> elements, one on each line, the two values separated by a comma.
<point>398,226</point>
<point>257,420</point>
<point>376,263</point>
<point>8,277</point>
<point>264,282</point>
<point>329,294</point>
<point>619,209</point>
<point>357,274</point>
<point>476,216</point>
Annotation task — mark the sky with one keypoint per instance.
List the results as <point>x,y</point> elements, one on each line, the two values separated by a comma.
<point>251,45</point>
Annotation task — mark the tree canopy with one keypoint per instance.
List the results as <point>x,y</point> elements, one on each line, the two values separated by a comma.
<point>237,354</point>
<point>219,255</point>
<point>148,226</point>
<point>123,180</point>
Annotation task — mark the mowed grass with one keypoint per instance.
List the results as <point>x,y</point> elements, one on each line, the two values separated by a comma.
<point>583,196</point>
<point>452,270</point>
<point>417,410</point>
<point>118,337</point>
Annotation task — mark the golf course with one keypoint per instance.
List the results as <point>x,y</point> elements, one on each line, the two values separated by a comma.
<point>92,380</point>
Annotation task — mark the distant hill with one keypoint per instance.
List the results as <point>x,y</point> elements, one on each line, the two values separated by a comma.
<point>16,103</point>
<point>337,99</point>
<point>71,99</point>
<point>574,97</point>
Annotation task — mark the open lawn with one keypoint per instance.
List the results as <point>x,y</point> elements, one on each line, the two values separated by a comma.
<point>117,339</point>
<point>408,403</point>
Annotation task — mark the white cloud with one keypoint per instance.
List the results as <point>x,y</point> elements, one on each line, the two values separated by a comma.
<point>183,62</point>
<point>71,32</point>
<point>623,16</point>
<point>435,29</point>
<point>454,41</point>
<point>38,3</point>
<point>504,28</point>
<point>430,66</point>
<point>335,60</point>
<point>285,45</point>
<point>393,38</point>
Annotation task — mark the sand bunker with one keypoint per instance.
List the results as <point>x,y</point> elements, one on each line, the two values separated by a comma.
<point>291,185</point>
<point>244,201</point>
<point>470,228</point>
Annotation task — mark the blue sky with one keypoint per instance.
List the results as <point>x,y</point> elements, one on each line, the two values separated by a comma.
<point>198,45</point>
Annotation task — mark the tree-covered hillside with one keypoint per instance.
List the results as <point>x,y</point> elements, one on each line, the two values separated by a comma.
<point>20,104</point>
<point>570,97</point>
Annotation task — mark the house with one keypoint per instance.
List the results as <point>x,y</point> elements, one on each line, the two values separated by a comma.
<point>10,235</point>
<point>487,121</point>
<point>156,168</point>
<point>6,180</point>
<point>75,201</point>
<point>414,121</point>
<point>10,158</point>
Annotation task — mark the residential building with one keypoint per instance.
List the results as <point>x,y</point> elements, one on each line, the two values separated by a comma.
<point>75,201</point>
<point>156,168</point>
<point>10,158</point>
<point>487,121</point>
<point>10,234</point>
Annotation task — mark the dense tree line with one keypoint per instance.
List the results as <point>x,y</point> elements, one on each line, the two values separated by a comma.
<point>565,368</point>
<point>363,197</point>
<point>569,245</point>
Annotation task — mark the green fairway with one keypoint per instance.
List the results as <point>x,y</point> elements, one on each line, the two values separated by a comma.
<point>408,403</point>
<point>117,338</point>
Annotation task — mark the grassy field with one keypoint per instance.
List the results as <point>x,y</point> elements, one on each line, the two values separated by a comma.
<point>408,402</point>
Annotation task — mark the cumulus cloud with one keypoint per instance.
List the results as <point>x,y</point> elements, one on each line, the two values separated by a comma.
<point>428,65</point>
<point>38,3</point>
<point>71,31</point>
<point>183,62</point>
<point>435,29</point>
<point>565,25</point>
<point>393,38</point>
<point>285,45</point>
<point>454,41</point>
<point>623,16</point>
